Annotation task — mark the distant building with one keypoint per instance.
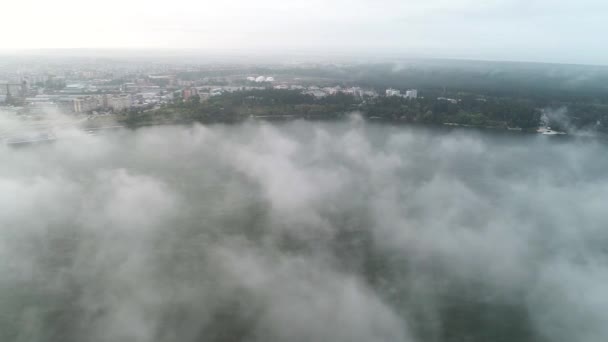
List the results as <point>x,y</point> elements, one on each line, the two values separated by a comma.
<point>162,79</point>
<point>13,89</point>
<point>354,91</point>
<point>333,90</point>
<point>393,92</point>
<point>87,104</point>
<point>185,83</point>
<point>260,79</point>
<point>118,103</point>
<point>188,93</point>
<point>251,79</point>
<point>453,101</point>
<point>411,94</point>
<point>370,93</point>
<point>129,86</point>
<point>317,93</point>
<point>76,88</point>
<point>269,79</point>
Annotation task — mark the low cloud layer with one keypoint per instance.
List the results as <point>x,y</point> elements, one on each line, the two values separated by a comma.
<point>303,232</point>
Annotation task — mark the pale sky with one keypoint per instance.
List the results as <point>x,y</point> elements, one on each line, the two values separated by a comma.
<point>526,30</point>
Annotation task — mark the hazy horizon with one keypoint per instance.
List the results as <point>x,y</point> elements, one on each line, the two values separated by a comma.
<point>195,56</point>
<point>505,30</point>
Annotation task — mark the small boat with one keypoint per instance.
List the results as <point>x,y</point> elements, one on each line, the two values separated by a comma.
<point>549,131</point>
<point>30,138</point>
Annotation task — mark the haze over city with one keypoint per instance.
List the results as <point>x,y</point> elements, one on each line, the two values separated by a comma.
<point>517,30</point>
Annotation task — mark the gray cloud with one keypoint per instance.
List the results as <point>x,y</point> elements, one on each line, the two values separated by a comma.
<point>303,231</point>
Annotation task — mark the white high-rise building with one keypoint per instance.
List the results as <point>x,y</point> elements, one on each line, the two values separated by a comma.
<point>393,92</point>
<point>411,94</point>
<point>118,103</point>
<point>86,104</point>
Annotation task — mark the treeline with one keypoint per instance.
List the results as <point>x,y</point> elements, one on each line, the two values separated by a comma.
<point>544,84</point>
<point>494,94</point>
<point>240,105</point>
<point>274,103</point>
<point>466,111</point>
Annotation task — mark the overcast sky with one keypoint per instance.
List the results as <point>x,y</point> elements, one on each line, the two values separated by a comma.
<point>535,30</point>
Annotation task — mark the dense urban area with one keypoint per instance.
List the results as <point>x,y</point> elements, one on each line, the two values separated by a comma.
<point>100,92</point>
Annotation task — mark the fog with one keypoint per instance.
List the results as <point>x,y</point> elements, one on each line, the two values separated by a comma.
<point>304,232</point>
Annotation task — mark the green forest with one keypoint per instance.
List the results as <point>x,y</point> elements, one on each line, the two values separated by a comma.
<point>283,104</point>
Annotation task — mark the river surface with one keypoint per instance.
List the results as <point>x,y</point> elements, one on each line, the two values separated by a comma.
<point>304,231</point>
